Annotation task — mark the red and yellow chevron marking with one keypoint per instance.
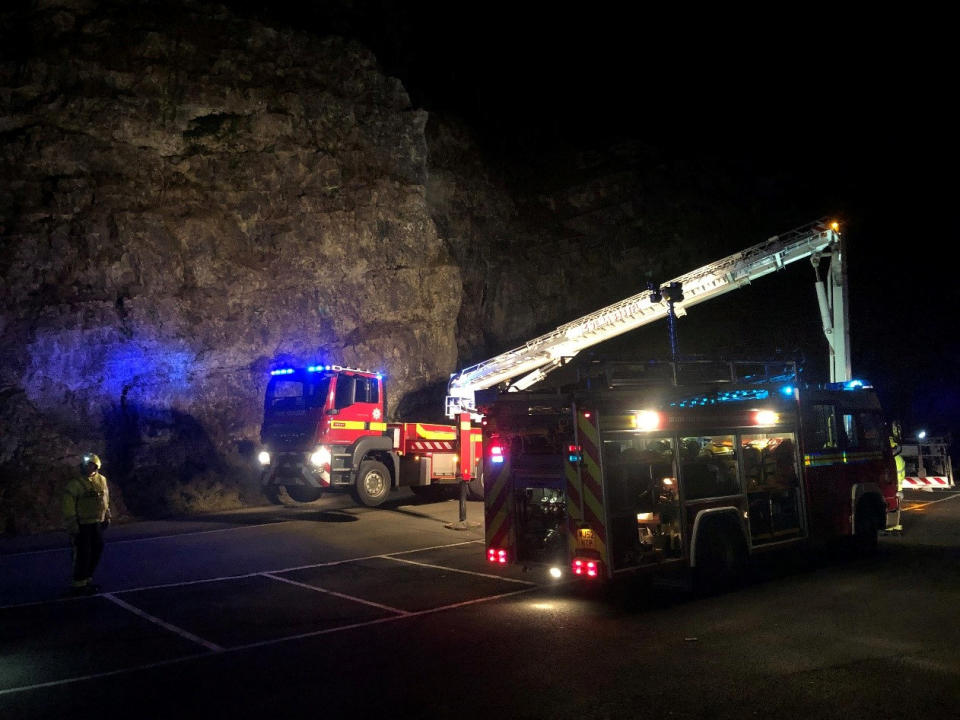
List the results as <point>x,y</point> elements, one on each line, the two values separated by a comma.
<point>496,506</point>
<point>432,445</point>
<point>585,493</point>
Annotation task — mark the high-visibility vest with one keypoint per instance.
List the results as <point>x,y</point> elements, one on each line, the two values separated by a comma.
<point>86,500</point>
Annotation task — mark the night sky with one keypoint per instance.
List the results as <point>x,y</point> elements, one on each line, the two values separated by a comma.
<point>812,112</point>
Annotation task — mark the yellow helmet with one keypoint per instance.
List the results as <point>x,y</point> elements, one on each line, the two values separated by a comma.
<point>91,462</point>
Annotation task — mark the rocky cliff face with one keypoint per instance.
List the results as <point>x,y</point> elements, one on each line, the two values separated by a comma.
<point>186,197</point>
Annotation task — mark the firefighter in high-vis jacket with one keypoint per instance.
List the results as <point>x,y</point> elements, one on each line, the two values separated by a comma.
<point>901,476</point>
<point>86,514</point>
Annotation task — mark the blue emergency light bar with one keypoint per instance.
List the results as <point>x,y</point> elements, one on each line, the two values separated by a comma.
<point>849,385</point>
<point>324,368</point>
<point>726,396</point>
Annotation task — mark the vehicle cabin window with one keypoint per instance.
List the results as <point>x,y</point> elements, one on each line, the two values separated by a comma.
<point>708,467</point>
<point>345,391</point>
<point>863,430</point>
<point>821,432</point>
<point>287,395</point>
<point>368,390</point>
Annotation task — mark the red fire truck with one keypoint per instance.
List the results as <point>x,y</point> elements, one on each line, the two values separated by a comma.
<point>325,426</point>
<point>324,429</point>
<point>689,466</point>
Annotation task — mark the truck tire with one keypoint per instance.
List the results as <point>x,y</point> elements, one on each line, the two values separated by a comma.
<point>373,483</point>
<point>304,494</point>
<point>721,560</point>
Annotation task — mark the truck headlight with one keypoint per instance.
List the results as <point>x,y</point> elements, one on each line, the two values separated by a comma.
<point>264,457</point>
<point>320,456</point>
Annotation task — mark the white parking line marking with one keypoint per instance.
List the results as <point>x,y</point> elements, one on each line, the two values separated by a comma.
<point>162,623</point>
<point>336,594</point>
<point>263,643</point>
<point>184,583</point>
<point>378,621</point>
<point>451,569</point>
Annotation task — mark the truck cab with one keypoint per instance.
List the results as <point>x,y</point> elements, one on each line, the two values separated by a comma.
<point>324,428</point>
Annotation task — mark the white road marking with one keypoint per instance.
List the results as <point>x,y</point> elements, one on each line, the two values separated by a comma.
<point>162,623</point>
<point>336,594</point>
<point>458,570</point>
<point>250,646</point>
<point>924,503</point>
<point>184,583</point>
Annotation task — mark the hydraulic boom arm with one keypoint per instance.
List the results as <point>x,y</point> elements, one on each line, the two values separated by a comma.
<point>539,356</point>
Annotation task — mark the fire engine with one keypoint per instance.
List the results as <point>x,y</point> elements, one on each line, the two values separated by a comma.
<point>692,466</point>
<point>324,425</point>
<point>325,428</point>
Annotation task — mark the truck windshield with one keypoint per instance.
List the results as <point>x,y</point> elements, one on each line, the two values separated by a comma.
<point>296,393</point>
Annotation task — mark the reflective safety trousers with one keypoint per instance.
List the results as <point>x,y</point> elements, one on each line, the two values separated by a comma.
<point>85,500</point>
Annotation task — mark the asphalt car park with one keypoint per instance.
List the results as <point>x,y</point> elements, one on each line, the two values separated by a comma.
<point>253,600</point>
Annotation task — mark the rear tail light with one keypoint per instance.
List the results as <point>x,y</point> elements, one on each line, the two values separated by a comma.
<point>497,555</point>
<point>496,454</point>
<point>585,568</point>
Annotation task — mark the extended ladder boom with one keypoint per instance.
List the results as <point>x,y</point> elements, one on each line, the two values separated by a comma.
<point>539,356</point>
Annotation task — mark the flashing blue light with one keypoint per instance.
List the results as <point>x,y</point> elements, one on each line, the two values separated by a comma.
<point>722,397</point>
<point>787,390</point>
<point>497,459</point>
<point>282,371</point>
<point>849,385</point>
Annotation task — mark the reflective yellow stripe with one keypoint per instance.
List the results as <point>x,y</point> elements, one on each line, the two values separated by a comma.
<point>435,434</point>
<point>357,425</point>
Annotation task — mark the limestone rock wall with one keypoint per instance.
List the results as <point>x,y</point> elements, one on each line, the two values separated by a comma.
<point>187,196</point>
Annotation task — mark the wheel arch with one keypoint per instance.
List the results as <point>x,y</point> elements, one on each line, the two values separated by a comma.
<point>726,518</point>
<point>867,497</point>
<point>379,448</point>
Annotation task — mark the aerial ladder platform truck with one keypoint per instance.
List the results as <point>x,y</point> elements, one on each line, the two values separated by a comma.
<point>324,426</point>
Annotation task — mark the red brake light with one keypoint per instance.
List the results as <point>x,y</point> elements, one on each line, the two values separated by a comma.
<point>496,555</point>
<point>584,567</point>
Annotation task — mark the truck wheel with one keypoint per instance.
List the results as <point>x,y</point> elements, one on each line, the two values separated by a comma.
<point>373,483</point>
<point>721,561</point>
<point>303,494</point>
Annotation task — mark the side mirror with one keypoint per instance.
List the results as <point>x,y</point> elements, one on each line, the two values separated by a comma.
<point>332,411</point>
